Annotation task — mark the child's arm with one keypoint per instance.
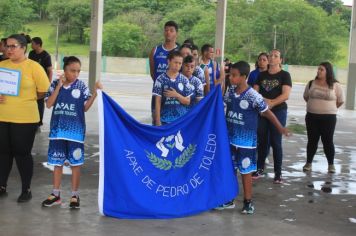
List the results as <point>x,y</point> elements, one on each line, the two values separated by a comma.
<point>90,101</point>
<point>52,99</point>
<point>157,114</point>
<point>207,81</point>
<point>272,118</point>
<point>172,93</point>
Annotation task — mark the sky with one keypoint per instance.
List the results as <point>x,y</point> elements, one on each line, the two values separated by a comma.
<point>347,2</point>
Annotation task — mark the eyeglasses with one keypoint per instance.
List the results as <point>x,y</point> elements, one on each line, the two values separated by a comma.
<point>12,47</point>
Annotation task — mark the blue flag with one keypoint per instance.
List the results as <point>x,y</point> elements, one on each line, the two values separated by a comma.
<point>170,171</point>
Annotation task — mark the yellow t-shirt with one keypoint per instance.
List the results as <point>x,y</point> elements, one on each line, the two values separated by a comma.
<point>23,108</point>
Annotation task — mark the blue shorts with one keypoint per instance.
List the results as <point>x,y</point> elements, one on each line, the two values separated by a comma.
<point>244,159</point>
<point>60,151</point>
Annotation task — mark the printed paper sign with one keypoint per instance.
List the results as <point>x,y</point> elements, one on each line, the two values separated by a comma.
<point>9,82</point>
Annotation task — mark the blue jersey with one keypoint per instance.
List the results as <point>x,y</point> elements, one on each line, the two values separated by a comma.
<point>199,73</point>
<point>171,108</point>
<point>212,73</point>
<point>252,78</point>
<point>198,90</point>
<point>68,119</point>
<point>160,60</point>
<point>242,116</point>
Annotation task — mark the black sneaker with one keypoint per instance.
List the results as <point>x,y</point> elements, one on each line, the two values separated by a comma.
<point>74,202</point>
<point>25,196</point>
<point>258,174</point>
<point>248,207</point>
<point>52,200</point>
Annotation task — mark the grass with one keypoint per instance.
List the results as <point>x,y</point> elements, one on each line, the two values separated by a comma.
<point>297,128</point>
<point>47,31</point>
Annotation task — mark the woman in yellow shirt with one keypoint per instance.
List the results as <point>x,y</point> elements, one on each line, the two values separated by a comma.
<point>19,115</point>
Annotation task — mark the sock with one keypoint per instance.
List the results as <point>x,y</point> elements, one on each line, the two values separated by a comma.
<point>75,193</point>
<point>56,192</point>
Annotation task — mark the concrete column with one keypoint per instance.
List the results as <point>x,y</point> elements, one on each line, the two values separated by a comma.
<point>97,8</point>
<point>351,79</point>
<point>220,30</point>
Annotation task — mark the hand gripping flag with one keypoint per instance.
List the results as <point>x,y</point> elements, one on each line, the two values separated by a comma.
<point>170,171</point>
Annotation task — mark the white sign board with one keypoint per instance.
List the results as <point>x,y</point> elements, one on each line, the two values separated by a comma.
<point>9,82</point>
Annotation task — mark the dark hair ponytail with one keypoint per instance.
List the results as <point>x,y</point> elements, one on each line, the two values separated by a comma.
<point>70,60</point>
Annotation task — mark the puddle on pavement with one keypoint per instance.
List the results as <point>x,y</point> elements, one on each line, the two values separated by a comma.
<point>292,199</point>
<point>290,219</point>
<point>344,166</point>
<point>341,187</point>
<point>342,182</point>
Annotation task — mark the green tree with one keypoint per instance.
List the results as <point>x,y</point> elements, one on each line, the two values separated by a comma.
<point>303,40</point>
<point>240,41</point>
<point>133,27</point>
<point>114,8</point>
<point>74,17</point>
<point>39,8</point>
<point>168,6</point>
<point>122,39</point>
<point>13,15</point>
<point>188,18</point>
<point>204,31</point>
<point>345,16</point>
<point>330,6</point>
<point>149,24</point>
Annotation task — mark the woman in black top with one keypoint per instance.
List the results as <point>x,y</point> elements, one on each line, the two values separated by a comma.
<point>274,85</point>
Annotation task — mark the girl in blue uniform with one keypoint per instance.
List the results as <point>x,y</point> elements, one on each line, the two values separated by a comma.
<point>70,98</point>
<point>172,92</point>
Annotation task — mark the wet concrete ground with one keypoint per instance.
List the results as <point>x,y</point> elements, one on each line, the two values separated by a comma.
<point>316,203</point>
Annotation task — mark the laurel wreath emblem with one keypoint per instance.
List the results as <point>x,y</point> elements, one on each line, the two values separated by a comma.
<point>179,162</point>
<point>160,163</point>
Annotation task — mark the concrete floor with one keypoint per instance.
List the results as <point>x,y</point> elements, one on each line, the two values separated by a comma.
<point>316,204</point>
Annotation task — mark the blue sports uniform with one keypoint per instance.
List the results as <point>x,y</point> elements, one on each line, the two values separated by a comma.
<point>242,116</point>
<point>199,73</point>
<point>160,60</point>
<point>67,128</point>
<point>198,90</point>
<point>212,73</point>
<point>252,78</point>
<point>171,108</point>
